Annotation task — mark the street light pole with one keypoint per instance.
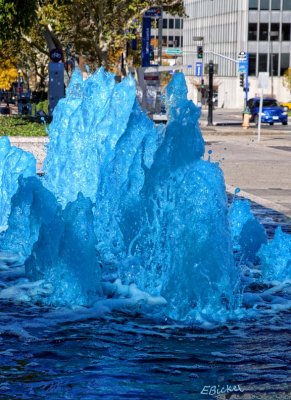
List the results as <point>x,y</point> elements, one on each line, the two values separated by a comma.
<point>271,34</point>
<point>271,66</point>
<point>18,82</point>
<point>210,93</point>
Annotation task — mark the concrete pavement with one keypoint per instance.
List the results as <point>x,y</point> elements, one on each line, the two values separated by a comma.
<point>262,170</point>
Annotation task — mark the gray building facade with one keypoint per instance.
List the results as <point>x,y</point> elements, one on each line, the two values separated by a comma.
<point>227,27</point>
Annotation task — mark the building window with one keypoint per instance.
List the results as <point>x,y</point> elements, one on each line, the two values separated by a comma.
<point>165,23</point>
<point>164,40</point>
<point>177,41</point>
<point>285,31</point>
<point>252,32</point>
<point>275,5</point>
<point>171,41</point>
<point>177,24</point>
<point>262,62</point>
<point>171,23</point>
<point>264,5</point>
<point>286,5</point>
<point>252,64</point>
<point>285,63</point>
<point>253,4</point>
<point>274,70</point>
<point>263,31</point>
<point>274,32</point>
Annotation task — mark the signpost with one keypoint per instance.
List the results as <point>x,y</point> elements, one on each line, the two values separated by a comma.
<point>56,87</point>
<point>262,84</point>
<point>243,68</point>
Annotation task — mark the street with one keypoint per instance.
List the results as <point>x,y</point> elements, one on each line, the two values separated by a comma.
<point>231,117</point>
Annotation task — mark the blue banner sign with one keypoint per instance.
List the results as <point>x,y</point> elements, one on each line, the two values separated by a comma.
<point>243,66</point>
<point>146,42</point>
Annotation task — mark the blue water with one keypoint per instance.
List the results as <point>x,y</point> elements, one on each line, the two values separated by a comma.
<point>126,271</point>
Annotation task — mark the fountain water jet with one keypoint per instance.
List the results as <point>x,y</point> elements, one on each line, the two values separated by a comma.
<point>126,203</point>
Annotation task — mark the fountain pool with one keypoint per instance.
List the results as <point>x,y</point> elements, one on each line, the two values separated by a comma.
<point>126,272</point>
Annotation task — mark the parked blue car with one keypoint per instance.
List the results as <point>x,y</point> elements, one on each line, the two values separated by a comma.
<point>272,112</point>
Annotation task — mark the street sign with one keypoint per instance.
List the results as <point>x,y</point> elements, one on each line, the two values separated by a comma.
<point>148,77</point>
<point>243,66</point>
<point>56,55</point>
<point>263,80</point>
<point>242,56</point>
<point>198,69</point>
<point>173,51</point>
<point>215,69</point>
<point>154,12</point>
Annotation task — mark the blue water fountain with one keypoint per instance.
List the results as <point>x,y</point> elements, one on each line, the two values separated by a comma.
<point>130,210</point>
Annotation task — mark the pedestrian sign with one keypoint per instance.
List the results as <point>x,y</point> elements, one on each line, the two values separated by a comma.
<point>198,69</point>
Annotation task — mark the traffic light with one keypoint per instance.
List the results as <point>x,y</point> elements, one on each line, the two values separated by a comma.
<point>199,52</point>
<point>242,80</point>
<point>202,86</point>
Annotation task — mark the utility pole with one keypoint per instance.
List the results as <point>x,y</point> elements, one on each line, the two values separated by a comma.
<point>160,40</point>
<point>210,93</point>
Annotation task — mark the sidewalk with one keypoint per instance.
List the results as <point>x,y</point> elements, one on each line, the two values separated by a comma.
<point>262,170</point>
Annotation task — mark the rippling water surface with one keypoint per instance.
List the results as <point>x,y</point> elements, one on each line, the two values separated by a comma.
<point>138,358</point>
<point>61,354</point>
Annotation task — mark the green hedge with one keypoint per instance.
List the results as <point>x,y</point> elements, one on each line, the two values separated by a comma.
<point>42,105</point>
<point>20,126</point>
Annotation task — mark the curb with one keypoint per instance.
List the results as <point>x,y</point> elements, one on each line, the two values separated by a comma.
<point>240,131</point>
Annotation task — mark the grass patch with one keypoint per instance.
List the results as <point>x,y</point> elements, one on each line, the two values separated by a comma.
<point>20,126</point>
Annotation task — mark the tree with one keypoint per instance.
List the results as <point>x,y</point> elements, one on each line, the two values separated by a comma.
<point>15,17</point>
<point>287,79</point>
<point>8,66</point>
<point>95,29</point>
<point>99,29</point>
<point>8,75</point>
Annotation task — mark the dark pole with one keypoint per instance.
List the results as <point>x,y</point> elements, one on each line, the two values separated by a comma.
<point>210,93</point>
<point>160,41</point>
